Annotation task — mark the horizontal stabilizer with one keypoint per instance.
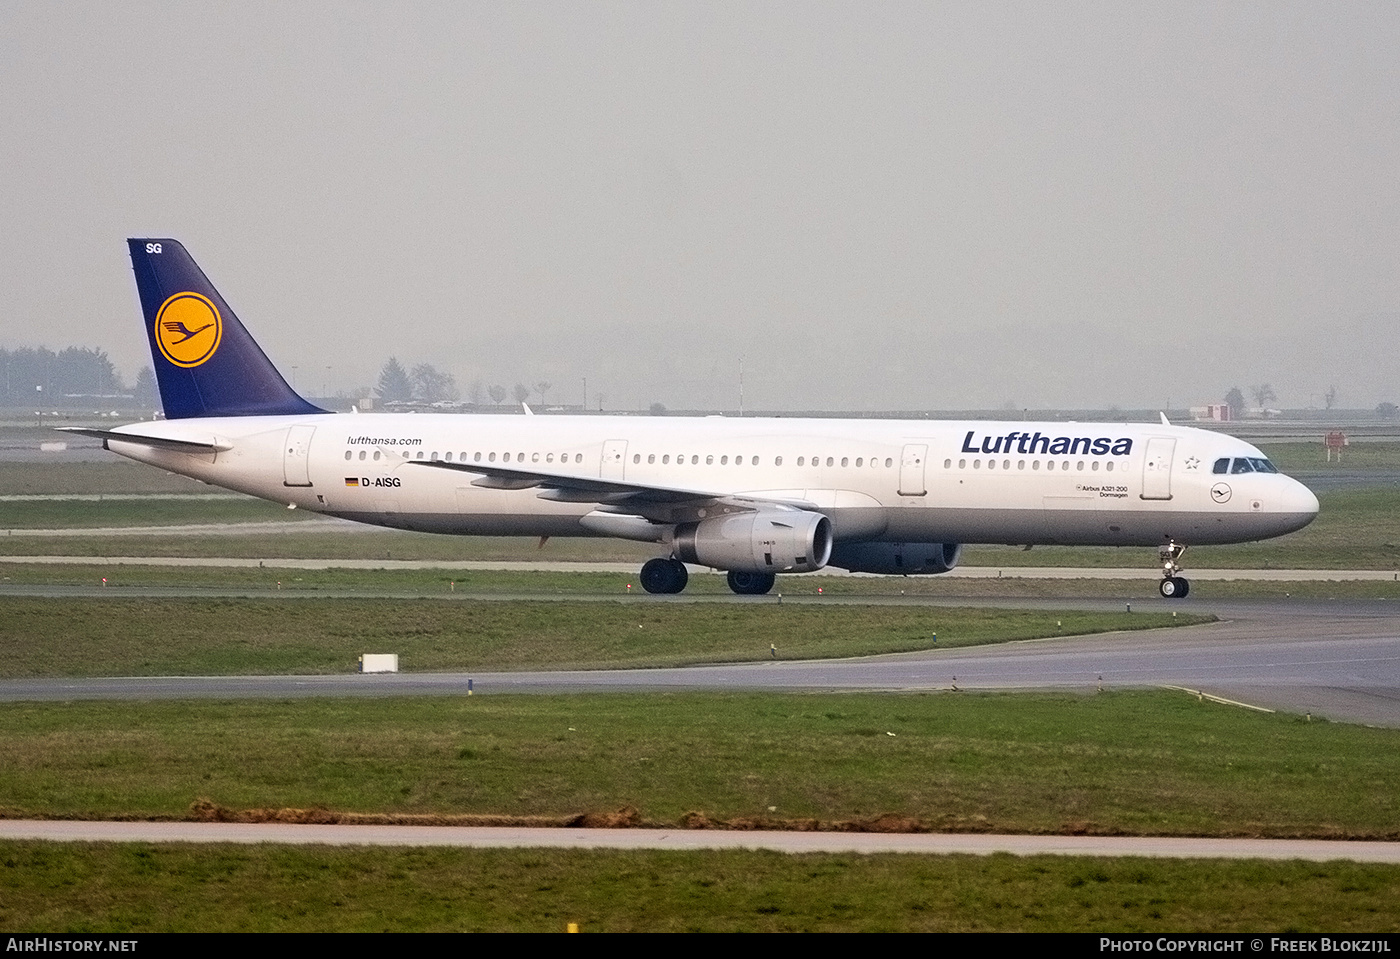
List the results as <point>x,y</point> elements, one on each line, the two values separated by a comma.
<point>155,442</point>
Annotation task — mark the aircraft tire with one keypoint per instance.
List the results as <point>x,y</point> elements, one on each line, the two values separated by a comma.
<point>1174,587</point>
<point>663,576</point>
<point>750,584</point>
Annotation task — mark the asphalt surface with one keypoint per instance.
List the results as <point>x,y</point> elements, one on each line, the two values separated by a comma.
<point>685,839</point>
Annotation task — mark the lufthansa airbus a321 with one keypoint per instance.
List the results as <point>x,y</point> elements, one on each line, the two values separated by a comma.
<point>752,496</point>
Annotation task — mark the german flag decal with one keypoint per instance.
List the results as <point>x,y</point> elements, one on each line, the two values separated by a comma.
<point>352,481</point>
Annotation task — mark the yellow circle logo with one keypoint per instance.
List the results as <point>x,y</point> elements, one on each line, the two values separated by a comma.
<point>188,329</point>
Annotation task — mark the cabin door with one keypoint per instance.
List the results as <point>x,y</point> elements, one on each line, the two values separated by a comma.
<point>614,459</point>
<point>911,470</point>
<point>296,461</point>
<point>1157,468</point>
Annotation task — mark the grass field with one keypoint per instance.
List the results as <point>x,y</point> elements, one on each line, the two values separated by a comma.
<point>143,888</point>
<point>1153,763</point>
<point>138,637</point>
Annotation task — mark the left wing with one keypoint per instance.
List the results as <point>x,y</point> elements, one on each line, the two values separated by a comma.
<point>657,503</point>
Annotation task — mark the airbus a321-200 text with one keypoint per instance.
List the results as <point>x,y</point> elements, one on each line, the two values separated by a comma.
<point>751,496</point>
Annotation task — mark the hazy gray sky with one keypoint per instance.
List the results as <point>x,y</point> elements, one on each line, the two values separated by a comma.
<point>874,205</point>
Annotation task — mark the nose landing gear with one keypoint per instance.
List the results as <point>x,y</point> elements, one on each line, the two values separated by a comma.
<point>1172,586</point>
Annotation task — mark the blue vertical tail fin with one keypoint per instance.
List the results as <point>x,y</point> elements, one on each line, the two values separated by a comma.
<point>206,363</point>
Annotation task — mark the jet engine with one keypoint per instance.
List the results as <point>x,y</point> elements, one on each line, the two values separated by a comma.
<point>765,541</point>
<point>897,558</point>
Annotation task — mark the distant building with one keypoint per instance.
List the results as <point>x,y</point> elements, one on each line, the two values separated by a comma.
<point>1218,412</point>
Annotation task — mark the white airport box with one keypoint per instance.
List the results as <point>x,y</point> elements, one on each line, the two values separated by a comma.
<point>379,663</point>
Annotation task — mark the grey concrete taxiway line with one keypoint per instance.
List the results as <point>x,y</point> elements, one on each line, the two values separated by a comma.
<point>628,568</point>
<point>696,839</point>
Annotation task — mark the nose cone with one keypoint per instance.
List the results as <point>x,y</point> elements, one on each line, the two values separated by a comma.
<point>1297,506</point>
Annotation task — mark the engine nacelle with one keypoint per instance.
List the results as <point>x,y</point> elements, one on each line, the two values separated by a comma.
<point>766,541</point>
<point>909,559</point>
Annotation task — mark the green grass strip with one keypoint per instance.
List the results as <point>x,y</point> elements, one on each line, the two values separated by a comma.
<point>143,888</point>
<point>1131,763</point>
<point>159,637</point>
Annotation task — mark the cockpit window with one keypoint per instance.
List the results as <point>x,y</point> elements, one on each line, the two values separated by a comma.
<point>1263,465</point>
<point>1241,465</point>
<point>1222,465</point>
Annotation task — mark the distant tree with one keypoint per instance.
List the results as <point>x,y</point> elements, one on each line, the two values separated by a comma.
<point>145,391</point>
<point>1263,395</point>
<point>497,394</point>
<point>476,392</point>
<point>431,385</point>
<point>1329,399</point>
<point>542,389</point>
<point>521,392</point>
<point>1387,410</point>
<point>1235,400</point>
<point>394,383</point>
<point>658,409</point>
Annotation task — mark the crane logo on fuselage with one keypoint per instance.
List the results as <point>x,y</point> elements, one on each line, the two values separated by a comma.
<point>1038,443</point>
<point>188,329</point>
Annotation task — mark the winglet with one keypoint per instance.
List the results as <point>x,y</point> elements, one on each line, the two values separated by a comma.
<point>206,363</point>
<point>1164,418</point>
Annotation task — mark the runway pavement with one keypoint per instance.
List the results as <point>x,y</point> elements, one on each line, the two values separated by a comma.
<point>690,839</point>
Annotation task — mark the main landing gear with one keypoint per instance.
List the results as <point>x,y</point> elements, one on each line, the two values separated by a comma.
<point>669,576</point>
<point>664,576</point>
<point>1172,586</point>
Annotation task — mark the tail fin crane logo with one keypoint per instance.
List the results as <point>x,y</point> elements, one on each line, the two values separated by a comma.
<point>188,329</point>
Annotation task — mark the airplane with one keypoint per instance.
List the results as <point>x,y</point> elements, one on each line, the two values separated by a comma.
<point>754,497</point>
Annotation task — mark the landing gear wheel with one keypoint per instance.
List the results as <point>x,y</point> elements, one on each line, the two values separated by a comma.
<point>750,584</point>
<point>663,576</point>
<point>1174,587</point>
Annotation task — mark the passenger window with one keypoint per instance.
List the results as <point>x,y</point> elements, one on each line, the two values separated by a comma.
<point>778,461</point>
<point>636,458</point>
<point>695,459</point>
<point>493,457</point>
<point>709,460</point>
<point>947,464</point>
<point>888,462</point>
<point>348,454</point>
<point>962,464</point>
<point>1006,464</point>
<point>977,464</point>
<point>1095,467</point>
<point>666,460</point>
<point>1222,465</point>
<point>376,455</point>
<point>800,460</point>
<point>1050,464</point>
<point>1020,464</point>
<point>1109,466</point>
<point>755,461</point>
<point>991,464</point>
<point>1035,464</point>
<point>723,461</point>
<point>845,461</point>
<point>830,461</point>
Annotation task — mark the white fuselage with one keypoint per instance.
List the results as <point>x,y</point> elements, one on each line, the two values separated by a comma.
<point>877,480</point>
